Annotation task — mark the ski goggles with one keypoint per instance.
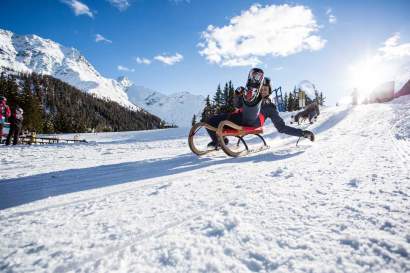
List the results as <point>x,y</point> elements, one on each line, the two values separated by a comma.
<point>251,94</point>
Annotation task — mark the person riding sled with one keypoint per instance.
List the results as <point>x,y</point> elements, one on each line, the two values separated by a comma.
<point>253,108</point>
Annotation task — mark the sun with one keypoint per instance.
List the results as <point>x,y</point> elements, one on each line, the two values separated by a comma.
<point>365,75</point>
<point>369,73</point>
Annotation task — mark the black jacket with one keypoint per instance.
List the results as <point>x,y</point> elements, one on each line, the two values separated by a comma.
<point>15,121</point>
<point>268,110</point>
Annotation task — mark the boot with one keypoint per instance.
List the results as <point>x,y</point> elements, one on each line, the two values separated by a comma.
<point>214,145</point>
<point>309,135</point>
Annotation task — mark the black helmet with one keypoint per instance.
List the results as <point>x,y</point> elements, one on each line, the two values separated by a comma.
<point>266,82</point>
<point>253,86</point>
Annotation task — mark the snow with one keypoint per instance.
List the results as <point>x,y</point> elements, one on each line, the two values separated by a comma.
<point>142,202</point>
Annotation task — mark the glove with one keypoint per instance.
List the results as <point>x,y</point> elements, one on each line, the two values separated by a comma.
<point>239,91</point>
<point>309,135</point>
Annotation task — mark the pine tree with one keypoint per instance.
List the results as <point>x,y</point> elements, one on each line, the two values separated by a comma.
<point>218,97</point>
<point>9,89</point>
<point>231,94</point>
<point>193,120</point>
<point>32,108</point>
<point>321,99</point>
<point>226,104</point>
<point>317,99</point>
<point>225,97</point>
<point>285,102</point>
<point>290,103</point>
<point>51,105</point>
<point>207,111</point>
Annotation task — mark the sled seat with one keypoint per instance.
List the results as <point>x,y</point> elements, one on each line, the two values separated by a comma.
<point>245,131</point>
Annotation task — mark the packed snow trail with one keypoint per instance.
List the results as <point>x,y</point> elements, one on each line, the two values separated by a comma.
<point>141,202</point>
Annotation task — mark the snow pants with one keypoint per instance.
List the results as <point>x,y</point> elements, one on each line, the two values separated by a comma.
<point>15,133</point>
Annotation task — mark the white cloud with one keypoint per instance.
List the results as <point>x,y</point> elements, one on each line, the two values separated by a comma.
<point>142,60</point>
<point>260,31</point>
<point>100,38</point>
<point>169,60</point>
<point>392,50</point>
<point>126,69</point>
<point>390,62</point>
<point>332,18</point>
<point>121,5</point>
<point>78,7</point>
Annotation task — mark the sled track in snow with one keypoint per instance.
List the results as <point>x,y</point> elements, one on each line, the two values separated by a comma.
<point>400,149</point>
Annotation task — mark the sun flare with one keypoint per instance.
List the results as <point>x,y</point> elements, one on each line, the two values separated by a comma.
<point>369,73</point>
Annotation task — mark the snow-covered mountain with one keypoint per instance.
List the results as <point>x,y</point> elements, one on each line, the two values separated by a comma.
<point>177,108</point>
<point>31,53</point>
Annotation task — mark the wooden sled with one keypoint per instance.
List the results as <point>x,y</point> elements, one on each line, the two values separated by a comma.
<point>225,129</point>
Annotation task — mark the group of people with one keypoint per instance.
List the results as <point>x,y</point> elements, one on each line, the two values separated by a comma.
<point>15,118</point>
<point>253,107</point>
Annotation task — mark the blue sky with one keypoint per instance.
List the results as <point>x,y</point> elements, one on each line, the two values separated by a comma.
<point>325,42</point>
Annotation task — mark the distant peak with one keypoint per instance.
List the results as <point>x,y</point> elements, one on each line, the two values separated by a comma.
<point>122,78</point>
<point>124,81</point>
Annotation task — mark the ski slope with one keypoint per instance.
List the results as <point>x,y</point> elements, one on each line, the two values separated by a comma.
<point>142,202</point>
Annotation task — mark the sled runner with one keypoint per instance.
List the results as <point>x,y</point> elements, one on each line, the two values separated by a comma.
<point>225,130</point>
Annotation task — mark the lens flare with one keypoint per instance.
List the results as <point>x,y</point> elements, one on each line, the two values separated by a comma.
<point>369,73</point>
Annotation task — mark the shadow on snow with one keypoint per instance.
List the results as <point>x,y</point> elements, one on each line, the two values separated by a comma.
<point>332,121</point>
<point>18,191</point>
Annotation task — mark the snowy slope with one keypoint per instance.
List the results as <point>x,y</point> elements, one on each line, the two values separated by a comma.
<point>176,108</point>
<point>31,53</point>
<point>141,202</point>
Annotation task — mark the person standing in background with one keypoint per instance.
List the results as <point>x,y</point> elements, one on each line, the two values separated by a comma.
<point>4,113</point>
<point>354,96</point>
<point>16,123</point>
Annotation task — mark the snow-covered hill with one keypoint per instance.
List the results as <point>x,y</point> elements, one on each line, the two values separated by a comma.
<point>176,108</point>
<point>31,53</point>
<point>142,202</point>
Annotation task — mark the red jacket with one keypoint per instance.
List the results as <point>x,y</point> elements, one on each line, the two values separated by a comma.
<point>4,111</point>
